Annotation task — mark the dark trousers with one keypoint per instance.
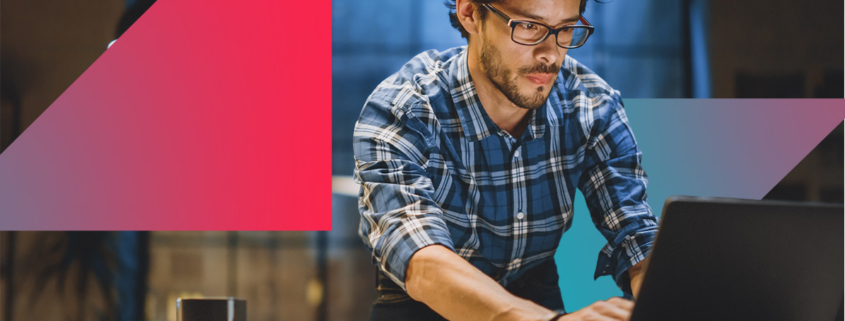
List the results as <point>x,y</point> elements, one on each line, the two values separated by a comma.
<point>540,284</point>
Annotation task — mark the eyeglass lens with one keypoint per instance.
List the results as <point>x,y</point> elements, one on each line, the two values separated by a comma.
<point>531,33</point>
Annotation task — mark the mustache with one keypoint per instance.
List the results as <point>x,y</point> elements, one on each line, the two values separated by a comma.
<point>541,68</point>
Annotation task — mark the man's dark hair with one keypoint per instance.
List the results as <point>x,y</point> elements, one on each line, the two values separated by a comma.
<point>453,17</point>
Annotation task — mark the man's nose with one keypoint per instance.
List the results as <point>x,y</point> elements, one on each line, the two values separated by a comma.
<point>548,51</point>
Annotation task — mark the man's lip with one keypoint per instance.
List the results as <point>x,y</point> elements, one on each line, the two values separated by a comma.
<point>540,79</point>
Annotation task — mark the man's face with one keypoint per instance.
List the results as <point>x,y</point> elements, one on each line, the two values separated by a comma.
<point>524,74</point>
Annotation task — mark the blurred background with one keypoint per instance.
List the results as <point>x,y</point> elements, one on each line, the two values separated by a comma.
<point>139,275</point>
<point>644,48</point>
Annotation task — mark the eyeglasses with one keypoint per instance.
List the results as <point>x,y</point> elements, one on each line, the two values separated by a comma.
<point>531,33</point>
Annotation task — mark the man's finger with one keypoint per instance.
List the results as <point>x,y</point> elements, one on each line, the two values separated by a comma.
<point>619,309</point>
<point>622,303</point>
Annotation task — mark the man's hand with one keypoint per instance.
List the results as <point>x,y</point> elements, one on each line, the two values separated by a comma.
<point>636,274</point>
<point>615,309</point>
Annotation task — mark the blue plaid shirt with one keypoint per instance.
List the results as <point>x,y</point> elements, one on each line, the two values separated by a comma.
<point>435,169</point>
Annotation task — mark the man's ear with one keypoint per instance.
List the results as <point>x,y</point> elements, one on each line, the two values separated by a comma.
<point>467,15</point>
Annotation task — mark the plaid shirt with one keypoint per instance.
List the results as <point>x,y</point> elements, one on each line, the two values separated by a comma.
<point>435,169</point>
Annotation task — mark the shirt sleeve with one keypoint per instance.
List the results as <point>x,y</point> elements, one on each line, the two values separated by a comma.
<point>614,185</point>
<point>398,214</point>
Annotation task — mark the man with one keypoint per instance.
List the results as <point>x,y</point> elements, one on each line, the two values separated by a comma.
<point>468,162</point>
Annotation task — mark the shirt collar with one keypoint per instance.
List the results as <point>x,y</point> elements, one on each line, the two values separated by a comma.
<point>475,122</point>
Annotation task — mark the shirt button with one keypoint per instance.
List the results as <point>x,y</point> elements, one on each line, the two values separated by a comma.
<point>516,154</point>
<point>520,215</point>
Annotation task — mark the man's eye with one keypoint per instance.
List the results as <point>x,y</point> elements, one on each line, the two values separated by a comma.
<point>528,26</point>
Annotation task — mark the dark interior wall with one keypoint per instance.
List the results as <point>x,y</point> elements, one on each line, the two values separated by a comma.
<point>45,45</point>
<point>776,43</point>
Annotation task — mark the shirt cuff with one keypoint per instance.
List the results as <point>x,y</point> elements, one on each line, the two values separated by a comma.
<point>631,245</point>
<point>411,237</point>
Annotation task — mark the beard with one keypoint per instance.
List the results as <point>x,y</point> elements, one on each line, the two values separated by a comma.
<point>502,78</point>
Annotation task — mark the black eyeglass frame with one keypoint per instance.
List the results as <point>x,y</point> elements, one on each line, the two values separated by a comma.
<point>513,23</point>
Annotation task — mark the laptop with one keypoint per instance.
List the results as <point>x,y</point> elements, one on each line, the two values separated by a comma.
<point>730,259</point>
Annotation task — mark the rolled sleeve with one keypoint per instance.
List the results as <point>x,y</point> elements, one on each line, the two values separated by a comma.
<point>614,185</point>
<point>398,214</point>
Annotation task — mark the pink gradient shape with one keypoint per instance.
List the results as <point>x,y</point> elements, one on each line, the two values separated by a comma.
<point>738,148</point>
<point>205,115</point>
